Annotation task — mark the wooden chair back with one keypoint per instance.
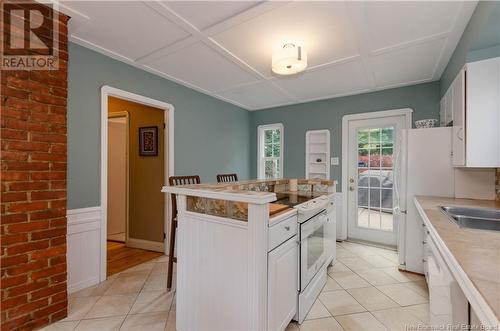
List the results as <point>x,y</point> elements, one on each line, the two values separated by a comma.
<point>227,178</point>
<point>181,180</point>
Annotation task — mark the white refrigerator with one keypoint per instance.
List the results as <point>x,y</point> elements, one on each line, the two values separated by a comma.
<point>426,169</point>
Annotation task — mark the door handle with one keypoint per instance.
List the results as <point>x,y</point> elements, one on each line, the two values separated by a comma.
<point>351,180</point>
<point>460,133</point>
<point>351,188</point>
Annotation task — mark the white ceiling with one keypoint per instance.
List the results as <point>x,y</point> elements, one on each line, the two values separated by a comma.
<point>224,48</point>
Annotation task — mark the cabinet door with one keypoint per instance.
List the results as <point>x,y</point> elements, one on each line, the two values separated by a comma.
<point>458,140</point>
<point>449,105</point>
<point>442,112</point>
<point>282,285</point>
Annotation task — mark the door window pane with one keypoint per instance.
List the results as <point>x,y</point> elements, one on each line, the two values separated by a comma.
<point>375,178</point>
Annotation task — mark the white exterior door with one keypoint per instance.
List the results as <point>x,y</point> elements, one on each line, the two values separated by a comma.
<point>372,149</point>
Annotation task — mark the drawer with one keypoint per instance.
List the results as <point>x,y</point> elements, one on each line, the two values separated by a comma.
<point>282,231</point>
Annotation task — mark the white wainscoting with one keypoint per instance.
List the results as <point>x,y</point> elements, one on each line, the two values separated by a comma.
<point>83,245</point>
<point>146,244</point>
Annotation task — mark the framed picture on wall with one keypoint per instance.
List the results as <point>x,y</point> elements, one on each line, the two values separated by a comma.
<point>148,141</point>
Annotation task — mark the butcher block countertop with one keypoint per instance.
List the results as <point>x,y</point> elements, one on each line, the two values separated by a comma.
<point>474,254</point>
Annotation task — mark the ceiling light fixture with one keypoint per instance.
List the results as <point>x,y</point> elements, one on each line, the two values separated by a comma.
<point>289,60</point>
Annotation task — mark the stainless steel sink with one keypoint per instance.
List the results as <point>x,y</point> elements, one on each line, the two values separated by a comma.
<point>474,218</point>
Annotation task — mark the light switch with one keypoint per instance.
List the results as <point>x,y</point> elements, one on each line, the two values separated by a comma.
<point>334,161</point>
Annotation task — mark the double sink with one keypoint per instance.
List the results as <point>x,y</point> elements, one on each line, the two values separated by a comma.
<point>474,218</point>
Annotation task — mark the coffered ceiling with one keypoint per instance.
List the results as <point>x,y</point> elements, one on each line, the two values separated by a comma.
<point>224,49</point>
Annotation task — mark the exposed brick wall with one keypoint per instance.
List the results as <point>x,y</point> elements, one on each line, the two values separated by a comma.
<point>33,199</point>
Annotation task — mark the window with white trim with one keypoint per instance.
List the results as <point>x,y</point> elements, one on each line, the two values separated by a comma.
<point>270,151</point>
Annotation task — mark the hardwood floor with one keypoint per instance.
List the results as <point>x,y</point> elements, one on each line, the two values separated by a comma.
<point>121,257</point>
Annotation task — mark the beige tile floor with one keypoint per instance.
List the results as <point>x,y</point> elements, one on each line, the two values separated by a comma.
<point>364,291</point>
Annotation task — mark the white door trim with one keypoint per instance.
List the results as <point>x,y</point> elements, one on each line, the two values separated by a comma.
<point>107,91</point>
<point>407,112</point>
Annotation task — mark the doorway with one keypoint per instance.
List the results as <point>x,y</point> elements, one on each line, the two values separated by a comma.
<point>136,160</point>
<point>372,176</point>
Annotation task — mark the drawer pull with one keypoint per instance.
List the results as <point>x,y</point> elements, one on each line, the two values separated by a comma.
<point>424,242</point>
<point>287,228</point>
<point>424,260</point>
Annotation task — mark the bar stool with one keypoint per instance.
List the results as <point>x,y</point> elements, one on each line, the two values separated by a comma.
<point>227,178</point>
<point>175,181</point>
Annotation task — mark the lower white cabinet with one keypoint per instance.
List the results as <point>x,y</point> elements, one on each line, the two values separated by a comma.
<point>282,285</point>
<point>447,303</point>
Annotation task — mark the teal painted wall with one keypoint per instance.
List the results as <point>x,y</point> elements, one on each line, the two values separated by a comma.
<point>211,136</point>
<point>480,40</point>
<point>327,114</point>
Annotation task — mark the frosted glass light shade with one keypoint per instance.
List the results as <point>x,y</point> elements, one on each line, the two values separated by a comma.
<point>289,60</point>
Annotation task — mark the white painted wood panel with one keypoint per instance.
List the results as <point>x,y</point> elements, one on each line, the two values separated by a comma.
<point>458,108</point>
<point>282,285</point>
<point>83,245</point>
<point>483,113</point>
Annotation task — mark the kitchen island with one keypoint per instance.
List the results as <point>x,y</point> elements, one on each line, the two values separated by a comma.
<point>240,268</point>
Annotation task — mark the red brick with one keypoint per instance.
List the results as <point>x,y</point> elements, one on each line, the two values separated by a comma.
<point>61,296</point>
<point>51,309</point>
<point>14,324</point>
<point>13,281</point>
<point>53,251</point>
<point>48,157</point>
<point>27,267</point>
<point>14,176</point>
<point>60,268</point>
<point>28,287</point>
<point>58,203</point>
<point>28,146</point>
<point>14,134</point>
<point>56,138</point>
<point>8,261</point>
<point>45,292</point>
<point>15,93</point>
<point>27,206</point>
<point>14,196</point>
<point>58,241</point>
<point>58,166</point>
<point>48,175</point>
<point>28,226</point>
<point>14,218</point>
<point>48,214</point>
<point>14,156</point>
<point>30,166</point>
<point>58,185</point>
<point>27,247</point>
<point>27,308</point>
<point>48,195</point>
<point>14,239</point>
<point>57,260</point>
<point>48,234</point>
<point>13,302</point>
<point>28,186</point>
<point>59,148</point>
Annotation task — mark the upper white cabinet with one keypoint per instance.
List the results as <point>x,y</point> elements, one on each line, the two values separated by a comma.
<point>472,106</point>
<point>482,129</point>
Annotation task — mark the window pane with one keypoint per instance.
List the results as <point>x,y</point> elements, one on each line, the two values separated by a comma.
<point>268,137</point>
<point>276,136</point>
<point>362,158</point>
<point>268,150</point>
<point>269,169</point>
<point>387,137</point>
<point>276,150</point>
<point>362,138</point>
<point>374,158</point>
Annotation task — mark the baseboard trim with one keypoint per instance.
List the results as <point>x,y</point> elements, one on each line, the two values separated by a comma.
<point>145,244</point>
<point>81,285</point>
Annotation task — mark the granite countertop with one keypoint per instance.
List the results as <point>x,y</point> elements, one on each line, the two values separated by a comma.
<point>249,191</point>
<point>477,252</point>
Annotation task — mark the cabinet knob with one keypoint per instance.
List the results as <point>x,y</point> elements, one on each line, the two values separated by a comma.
<point>287,228</point>
<point>424,260</point>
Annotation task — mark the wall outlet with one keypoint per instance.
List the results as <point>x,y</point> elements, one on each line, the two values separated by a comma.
<point>334,161</point>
